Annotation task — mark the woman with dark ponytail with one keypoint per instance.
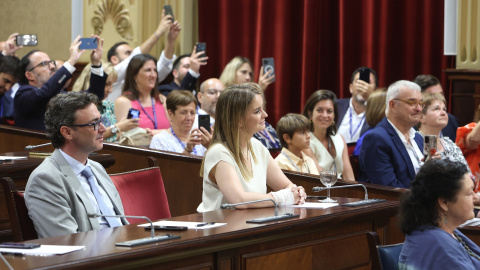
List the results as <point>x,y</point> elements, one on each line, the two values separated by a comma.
<point>440,200</point>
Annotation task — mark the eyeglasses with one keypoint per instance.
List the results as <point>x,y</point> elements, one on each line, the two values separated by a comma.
<point>95,124</point>
<point>44,64</point>
<point>212,92</point>
<point>413,103</point>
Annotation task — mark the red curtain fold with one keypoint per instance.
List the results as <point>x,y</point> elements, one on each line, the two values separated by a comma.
<point>317,44</point>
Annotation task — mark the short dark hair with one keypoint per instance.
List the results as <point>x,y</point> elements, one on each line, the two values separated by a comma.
<point>426,81</point>
<point>113,50</point>
<point>176,63</point>
<point>23,67</point>
<point>61,111</point>
<point>291,123</point>
<point>9,65</point>
<point>314,99</point>
<point>437,178</point>
<point>371,71</point>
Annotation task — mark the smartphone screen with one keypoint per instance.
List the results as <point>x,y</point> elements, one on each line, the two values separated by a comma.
<point>169,11</point>
<point>133,113</point>
<point>268,64</point>
<point>88,44</point>
<point>364,75</point>
<point>26,40</point>
<point>204,121</point>
<point>201,47</point>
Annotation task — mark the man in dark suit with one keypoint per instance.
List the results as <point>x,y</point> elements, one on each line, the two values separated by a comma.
<point>67,188</point>
<point>40,82</point>
<point>351,122</point>
<point>186,70</point>
<point>430,84</point>
<point>8,77</point>
<point>391,153</point>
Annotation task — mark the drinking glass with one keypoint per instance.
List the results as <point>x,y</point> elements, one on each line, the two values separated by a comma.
<point>328,179</point>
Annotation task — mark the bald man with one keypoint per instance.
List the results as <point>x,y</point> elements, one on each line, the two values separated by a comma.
<point>210,90</point>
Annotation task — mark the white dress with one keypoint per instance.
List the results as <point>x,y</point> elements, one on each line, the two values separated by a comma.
<point>212,197</point>
<point>324,158</point>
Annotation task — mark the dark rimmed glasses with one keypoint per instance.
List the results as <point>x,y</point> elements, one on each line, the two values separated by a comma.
<point>44,64</point>
<point>96,124</point>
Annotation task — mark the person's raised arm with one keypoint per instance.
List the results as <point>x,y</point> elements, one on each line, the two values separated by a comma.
<point>473,138</point>
<point>171,37</point>
<point>75,53</point>
<point>11,45</point>
<point>263,80</point>
<point>162,28</point>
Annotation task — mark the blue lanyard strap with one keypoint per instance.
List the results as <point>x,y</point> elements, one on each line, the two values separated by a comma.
<point>154,119</point>
<point>358,126</point>
<point>181,143</point>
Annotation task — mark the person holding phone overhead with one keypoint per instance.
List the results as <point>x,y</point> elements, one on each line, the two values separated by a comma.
<point>180,137</point>
<point>140,92</point>
<point>236,167</point>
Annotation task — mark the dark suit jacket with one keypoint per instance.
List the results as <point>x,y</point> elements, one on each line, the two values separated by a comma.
<point>188,83</point>
<point>342,106</point>
<point>384,160</point>
<point>450,130</point>
<point>30,103</point>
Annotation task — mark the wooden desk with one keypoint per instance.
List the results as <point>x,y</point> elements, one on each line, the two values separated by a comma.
<point>19,171</point>
<point>333,238</point>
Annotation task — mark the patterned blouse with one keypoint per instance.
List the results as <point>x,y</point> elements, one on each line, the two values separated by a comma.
<point>108,115</point>
<point>271,145</point>
<point>452,151</point>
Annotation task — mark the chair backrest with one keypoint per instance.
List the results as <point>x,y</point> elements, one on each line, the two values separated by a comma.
<point>383,256</point>
<point>355,165</point>
<point>22,225</point>
<point>142,193</point>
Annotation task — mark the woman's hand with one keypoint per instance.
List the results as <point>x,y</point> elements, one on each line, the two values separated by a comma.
<point>194,138</point>
<point>263,80</point>
<point>206,137</point>
<point>127,124</point>
<point>299,194</point>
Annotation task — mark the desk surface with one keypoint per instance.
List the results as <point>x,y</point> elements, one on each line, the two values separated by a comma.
<point>240,245</point>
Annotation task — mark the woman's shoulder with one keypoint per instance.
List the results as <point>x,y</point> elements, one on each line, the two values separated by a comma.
<point>122,101</point>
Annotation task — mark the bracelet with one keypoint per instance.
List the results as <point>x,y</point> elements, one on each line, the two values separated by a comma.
<point>99,66</point>
<point>187,150</point>
<point>156,35</point>
<point>283,197</point>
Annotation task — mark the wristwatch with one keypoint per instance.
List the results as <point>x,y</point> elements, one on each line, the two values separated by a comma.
<point>113,129</point>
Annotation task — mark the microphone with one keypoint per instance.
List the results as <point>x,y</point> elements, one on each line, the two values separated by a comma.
<point>357,203</point>
<point>30,147</point>
<point>265,219</point>
<point>136,242</point>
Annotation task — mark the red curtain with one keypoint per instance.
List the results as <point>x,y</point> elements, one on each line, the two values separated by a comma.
<point>317,44</point>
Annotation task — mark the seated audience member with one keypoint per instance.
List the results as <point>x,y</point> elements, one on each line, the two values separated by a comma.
<point>210,90</point>
<point>186,70</point>
<point>121,53</point>
<point>351,122</point>
<point>374,113</point>
<point>8,77</point>
<point>293,130</point>
<point>180,137</point>
<point>391,153</point>
<point>39,83</point>
<point>430,84</point>
<point>67,187</point>
<point>434,119</point>
<point>237,168</point>
<point>440,199</point>
<point>327,146</point>
<point>140,93</point>
<point>468,140</point>
<point>106,107</point>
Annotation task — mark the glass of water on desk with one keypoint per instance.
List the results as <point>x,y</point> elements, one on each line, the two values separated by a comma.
<point>328,179</point>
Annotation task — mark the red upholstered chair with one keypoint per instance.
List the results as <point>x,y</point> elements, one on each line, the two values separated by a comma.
<point>142,193</point>
<point>22,225</point>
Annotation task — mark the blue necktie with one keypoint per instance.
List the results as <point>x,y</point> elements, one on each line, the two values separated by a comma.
<point>112,222</point>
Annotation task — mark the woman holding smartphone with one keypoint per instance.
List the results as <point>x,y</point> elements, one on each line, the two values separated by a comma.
<point>236,167</point>
<point>140,92</point>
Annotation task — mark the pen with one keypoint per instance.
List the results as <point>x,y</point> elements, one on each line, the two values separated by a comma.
<point>205,224</point>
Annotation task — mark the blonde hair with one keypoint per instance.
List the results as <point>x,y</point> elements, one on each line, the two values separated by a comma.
<point>230,71</point>
<point>232,106</point>
<point>376,104</point>
<point>83,81</point>
<point>428,99</point>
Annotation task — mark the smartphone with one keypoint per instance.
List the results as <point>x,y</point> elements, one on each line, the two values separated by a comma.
<point>88,44</point>
<point>133,113</point>
<point>204,121</point>
<point>169,11</point>
<point>26,40</point>
<point>19,245</point>
<point>364,74</point>
<point>268,64</point>
<point>167,228</point>
<point>429,143</point>
<point>201,47</point>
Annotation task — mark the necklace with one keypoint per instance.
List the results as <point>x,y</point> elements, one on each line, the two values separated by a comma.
<point>469,251</point>
<point>181,143</point>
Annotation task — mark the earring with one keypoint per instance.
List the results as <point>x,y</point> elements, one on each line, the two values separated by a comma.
<point>445,217</point>
<point>333,123</point>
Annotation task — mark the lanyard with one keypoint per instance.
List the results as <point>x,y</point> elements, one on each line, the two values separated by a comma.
<point>154,119</point>
<point>308,169</point>
<point>181,143</point>
<point>358,126</point>
<point>265,134</point>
